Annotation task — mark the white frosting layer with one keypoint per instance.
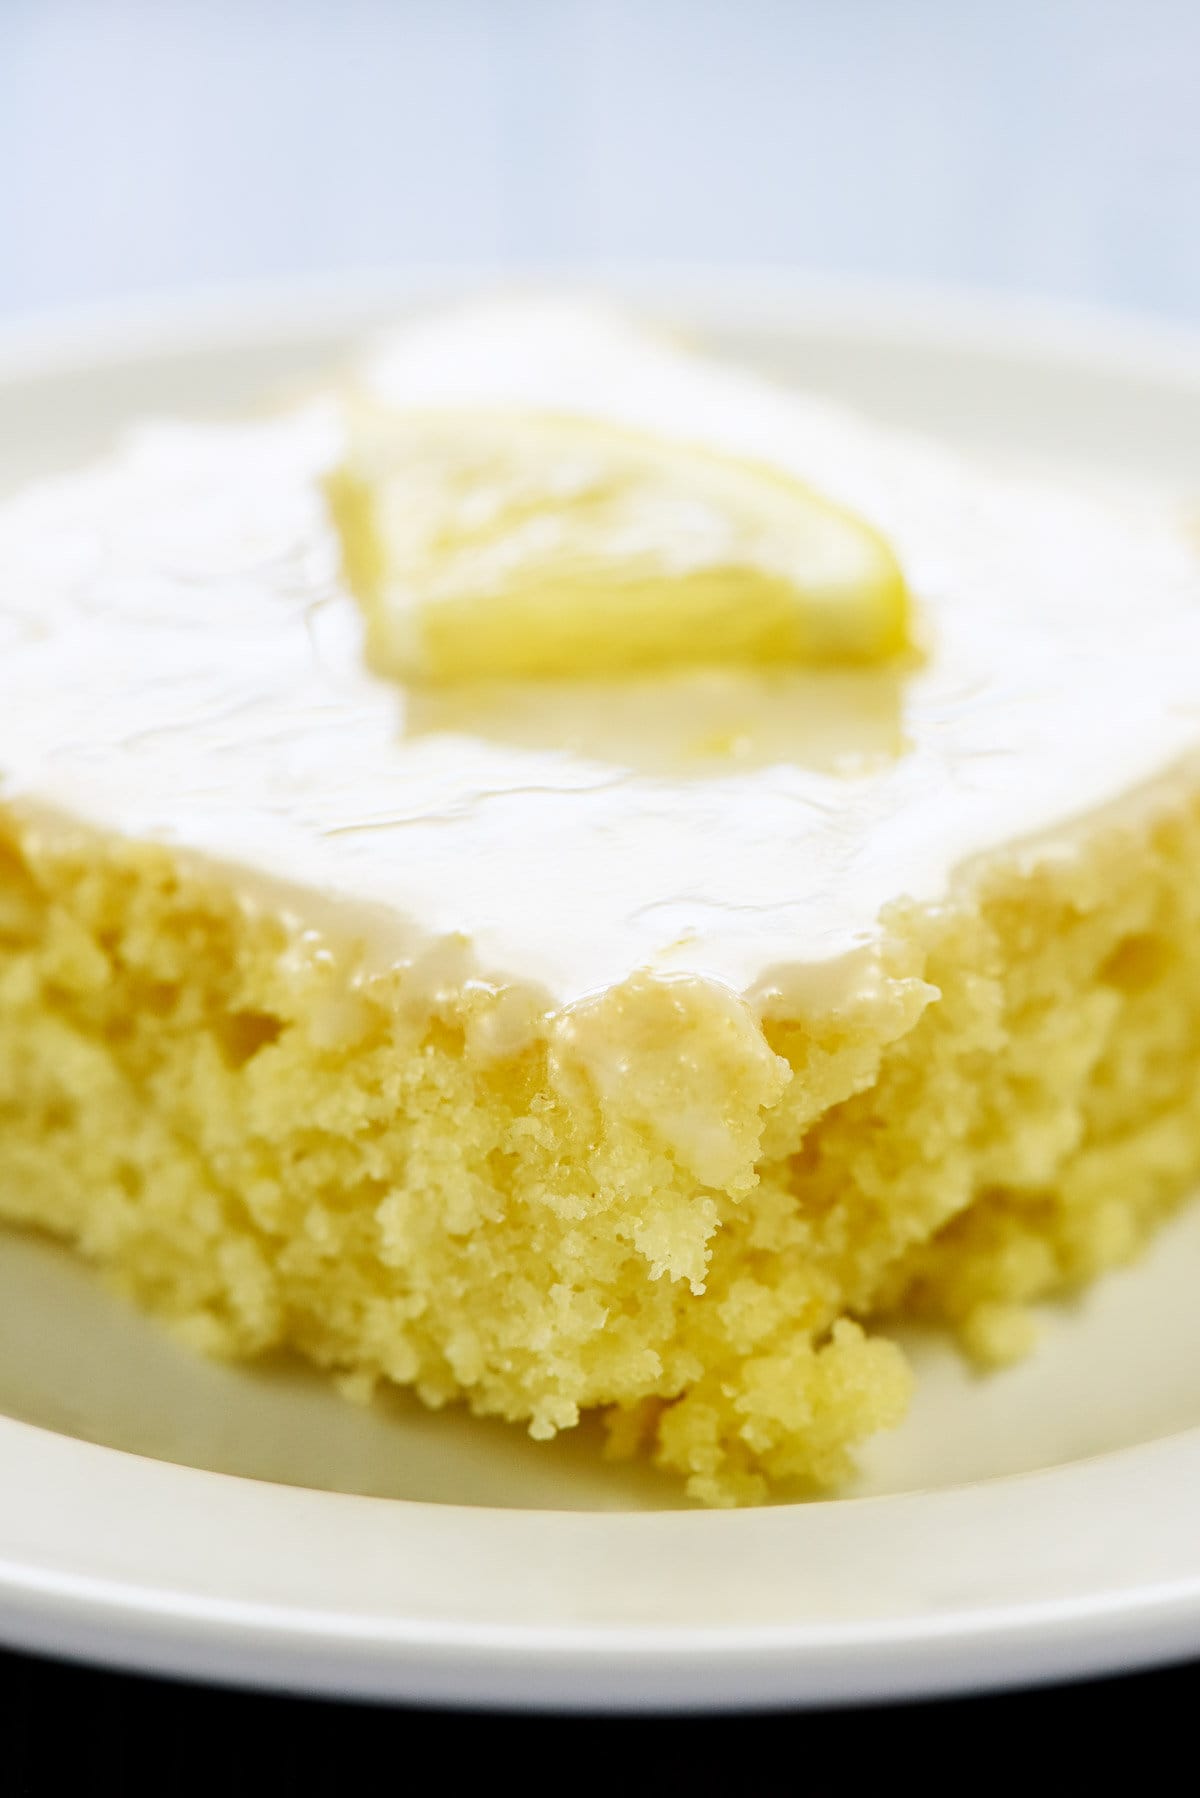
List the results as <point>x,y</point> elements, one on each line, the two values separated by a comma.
<point>181,663</point>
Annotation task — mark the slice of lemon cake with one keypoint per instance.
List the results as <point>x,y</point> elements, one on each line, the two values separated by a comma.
<point>573,878</point>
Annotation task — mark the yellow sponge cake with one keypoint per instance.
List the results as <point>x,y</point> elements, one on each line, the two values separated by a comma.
<point>640,1029</point>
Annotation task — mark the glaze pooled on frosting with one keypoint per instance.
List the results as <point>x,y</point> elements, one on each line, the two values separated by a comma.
<point>183,663</point>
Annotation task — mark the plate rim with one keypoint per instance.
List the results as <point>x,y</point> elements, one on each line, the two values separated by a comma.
<point>36,341</point>
<point>614,1664</point>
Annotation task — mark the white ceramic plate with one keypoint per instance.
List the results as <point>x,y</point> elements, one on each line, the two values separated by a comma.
<point>163,1513</point>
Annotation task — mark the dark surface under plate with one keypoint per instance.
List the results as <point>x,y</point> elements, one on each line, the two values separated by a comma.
<point>68,1728</point>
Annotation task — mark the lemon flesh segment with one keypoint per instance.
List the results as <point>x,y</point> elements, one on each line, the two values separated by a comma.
<point>490,546</point>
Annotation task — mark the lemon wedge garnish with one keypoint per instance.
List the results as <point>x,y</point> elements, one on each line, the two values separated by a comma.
<point>496,545</point>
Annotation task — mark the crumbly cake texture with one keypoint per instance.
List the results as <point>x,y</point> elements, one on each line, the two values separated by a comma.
<point>547,1081</point>
<point>266,1156</point>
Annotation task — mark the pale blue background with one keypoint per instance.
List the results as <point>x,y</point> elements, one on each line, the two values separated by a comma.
<point>1051,146</point>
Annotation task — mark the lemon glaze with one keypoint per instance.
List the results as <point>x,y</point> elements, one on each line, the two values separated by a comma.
<point>183,675</point>
<point>182,609</point>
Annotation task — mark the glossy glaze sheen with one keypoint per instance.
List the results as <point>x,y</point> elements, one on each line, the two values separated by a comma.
<point>182,663</point>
